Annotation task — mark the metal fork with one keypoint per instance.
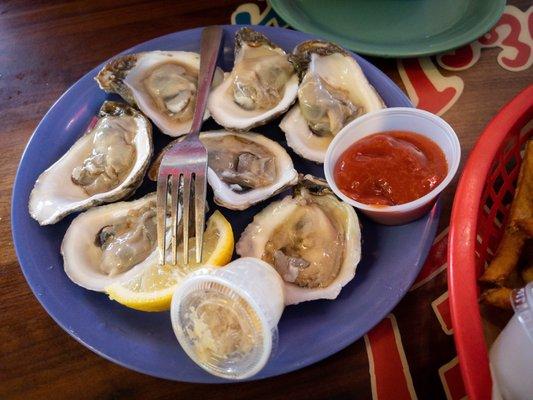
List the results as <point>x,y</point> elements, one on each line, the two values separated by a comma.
<point>185,164</point>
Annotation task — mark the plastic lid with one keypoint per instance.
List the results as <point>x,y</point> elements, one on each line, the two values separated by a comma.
<point>220,328</point>
<point>522,301</point>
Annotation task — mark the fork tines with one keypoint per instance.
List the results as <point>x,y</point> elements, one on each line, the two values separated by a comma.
<point>180,187</point>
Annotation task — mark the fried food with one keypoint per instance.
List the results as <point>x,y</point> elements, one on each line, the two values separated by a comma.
<point>507,256</point>
<point>498,297</point>
<point>527,274</point>
<point>526,226</point>
<point>515,247</point>
<point>508,253</point>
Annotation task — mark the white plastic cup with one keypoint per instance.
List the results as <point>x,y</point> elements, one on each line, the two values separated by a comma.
<point>247,289</point>
<point>396,119</point>
<point>511,355</point>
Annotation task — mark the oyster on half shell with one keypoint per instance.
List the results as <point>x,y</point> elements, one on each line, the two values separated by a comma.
<point>311,238</point>
<point>261,86</point>
<point>243,168</point>
<point>162,84</point>
<point>333,91</point>
<point>111,242</point>
<point>106,164</point>
<point>246,168</point>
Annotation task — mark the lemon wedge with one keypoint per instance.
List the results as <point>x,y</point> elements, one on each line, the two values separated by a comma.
<point>153,288</point>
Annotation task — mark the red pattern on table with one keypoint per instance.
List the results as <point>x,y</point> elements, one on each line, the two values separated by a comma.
<point>389,372</point>
<point>452,382</point>
<point>513,34</point>
<point>427,88</point>
<point>441,307</point>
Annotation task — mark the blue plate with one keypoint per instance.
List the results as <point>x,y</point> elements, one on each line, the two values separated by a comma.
<point>309,332</point>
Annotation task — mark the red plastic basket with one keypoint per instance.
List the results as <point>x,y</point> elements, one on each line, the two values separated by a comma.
<point>480,209</point>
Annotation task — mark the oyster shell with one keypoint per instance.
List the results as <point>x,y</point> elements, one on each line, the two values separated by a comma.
<point>162,84</point>
<point>333,91</point>
<point>243,168</point>
<point>261,86</point>
<point>311,238</point>
<point>246,168</point>
<point>106,164</point>
<point>111,242</point>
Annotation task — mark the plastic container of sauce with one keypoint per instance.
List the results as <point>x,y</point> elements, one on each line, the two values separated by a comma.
<point>391,164</point>
<point>226,318</point>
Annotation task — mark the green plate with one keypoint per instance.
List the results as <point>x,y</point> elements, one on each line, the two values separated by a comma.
<point>393,28</point>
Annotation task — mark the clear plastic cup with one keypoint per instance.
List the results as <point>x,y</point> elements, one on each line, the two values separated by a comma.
<point>226,318</point>
<point>396,119</point>
<point>511,355</point>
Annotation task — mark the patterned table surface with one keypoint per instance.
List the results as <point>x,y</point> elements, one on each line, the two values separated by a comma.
<point>45,46</point>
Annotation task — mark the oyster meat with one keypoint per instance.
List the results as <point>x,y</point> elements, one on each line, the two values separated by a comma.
<point>333,91</point>
<point>111,242</point>
<point>243,168</point>
<point>162,84</point>
<point>311,238</point>
<point>106,164</point>
<point>261,86</point>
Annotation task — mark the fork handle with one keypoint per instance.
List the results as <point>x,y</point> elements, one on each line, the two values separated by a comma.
<point>210,46</point>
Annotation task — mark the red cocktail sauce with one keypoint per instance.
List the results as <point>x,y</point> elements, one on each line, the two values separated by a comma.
<point>390,168</point>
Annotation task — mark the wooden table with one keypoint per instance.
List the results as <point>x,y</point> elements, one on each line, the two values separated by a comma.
<point>45,46</point>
